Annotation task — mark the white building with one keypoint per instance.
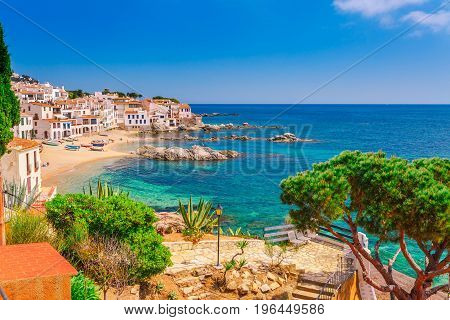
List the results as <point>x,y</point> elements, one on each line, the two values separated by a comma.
<point>24,129</point>
<point>22,164</point>
<point>136,119</point>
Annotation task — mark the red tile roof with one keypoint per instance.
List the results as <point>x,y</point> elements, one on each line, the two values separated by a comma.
<point>23,261</point>
<point>22,144</point>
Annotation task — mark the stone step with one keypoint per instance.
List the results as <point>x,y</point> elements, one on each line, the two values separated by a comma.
<point>315,282</point>
<point>309,288</point>
<point>304,295</point>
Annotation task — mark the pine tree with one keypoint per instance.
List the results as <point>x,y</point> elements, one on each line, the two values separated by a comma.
<point>9,105</point>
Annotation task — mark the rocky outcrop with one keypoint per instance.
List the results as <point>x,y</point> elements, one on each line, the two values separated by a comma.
<point>288,138</point>
<point>240,138</point>
<point>194,153</point>
<point>185,137</point>
<point>217,114</point>
<point>169,222</point>
<point>230,126</point>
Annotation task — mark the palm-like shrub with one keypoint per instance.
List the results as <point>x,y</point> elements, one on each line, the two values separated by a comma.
<point>198,220</point>
<point>104,190</point>
<point>16,197</point>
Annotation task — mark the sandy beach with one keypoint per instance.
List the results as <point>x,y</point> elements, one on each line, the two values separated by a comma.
<point>61,160</point>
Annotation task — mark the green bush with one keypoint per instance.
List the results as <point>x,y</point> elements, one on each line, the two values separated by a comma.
<point>119,216</point>
<point>83,288</point>
<point>25,227</point>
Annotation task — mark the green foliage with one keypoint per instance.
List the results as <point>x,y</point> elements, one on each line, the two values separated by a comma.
<point>198,220</point>
<point>391,198</point>
<point>164,98</point>
<point>383,194</point>
<point>104,190</point>
<point>241,263</point>
<point>119,216</point>
<point>134,95</point>
<point>25,227</point>
<point>9,105</point>
<point>238,232</point>
<point>159,287</point>
<point>83,288</point>
<point>17,198</point>
<point>172,295</point>
<point>74,94</point>
<point>277,253</point>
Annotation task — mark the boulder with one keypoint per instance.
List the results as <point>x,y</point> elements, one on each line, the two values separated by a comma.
<point>243,289</point>
<point>169,222</point>
<point>264,288</point>
<point>271,276</point>
<point>232,285</point>
<point>274,285</point>
<point>187,290</point>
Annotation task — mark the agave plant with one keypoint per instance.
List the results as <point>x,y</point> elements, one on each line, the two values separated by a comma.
<point>104,190</point>
<point>197,220</point>
<point>16,197</point>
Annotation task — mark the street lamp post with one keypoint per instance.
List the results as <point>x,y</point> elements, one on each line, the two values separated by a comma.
<point>218,214</point>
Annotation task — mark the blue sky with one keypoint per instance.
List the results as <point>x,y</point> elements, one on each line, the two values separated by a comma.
<point>236,51</point>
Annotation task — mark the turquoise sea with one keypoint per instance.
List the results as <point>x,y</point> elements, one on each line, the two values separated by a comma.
<point>248,187</point>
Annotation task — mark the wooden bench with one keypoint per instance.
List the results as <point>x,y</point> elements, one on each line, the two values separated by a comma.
<point>286,232</point>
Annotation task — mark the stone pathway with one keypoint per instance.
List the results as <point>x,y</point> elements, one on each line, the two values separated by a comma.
<point>312,258</point>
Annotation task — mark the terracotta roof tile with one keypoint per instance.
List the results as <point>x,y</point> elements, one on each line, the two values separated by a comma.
<point>22,144</point>
<point>24,261</point>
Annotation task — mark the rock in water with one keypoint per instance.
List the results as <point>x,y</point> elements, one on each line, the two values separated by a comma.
<point>195,153</point>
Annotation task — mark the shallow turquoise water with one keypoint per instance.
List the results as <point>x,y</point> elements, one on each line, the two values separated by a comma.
<point>248,187</point>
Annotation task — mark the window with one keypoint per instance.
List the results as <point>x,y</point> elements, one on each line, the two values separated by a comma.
<point>36,164</point>
<point>28,164</point>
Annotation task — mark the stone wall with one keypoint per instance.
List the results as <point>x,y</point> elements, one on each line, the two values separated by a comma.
<point>225,245</point>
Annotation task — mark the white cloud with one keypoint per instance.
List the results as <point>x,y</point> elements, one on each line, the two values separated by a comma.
<point>439,21</point>
<point>370,8</point>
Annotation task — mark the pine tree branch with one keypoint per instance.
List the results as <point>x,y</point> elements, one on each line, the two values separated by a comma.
<point>407,255</point>
<point>436,289</point>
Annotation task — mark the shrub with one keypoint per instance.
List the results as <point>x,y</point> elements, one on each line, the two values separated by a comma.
<point>16,197</point>
<point>109,262</point>
<point>25,227</point>
<point>104,190</point>
<point>116,216</point>
<point>83,288</point>
<point>197,220</point>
